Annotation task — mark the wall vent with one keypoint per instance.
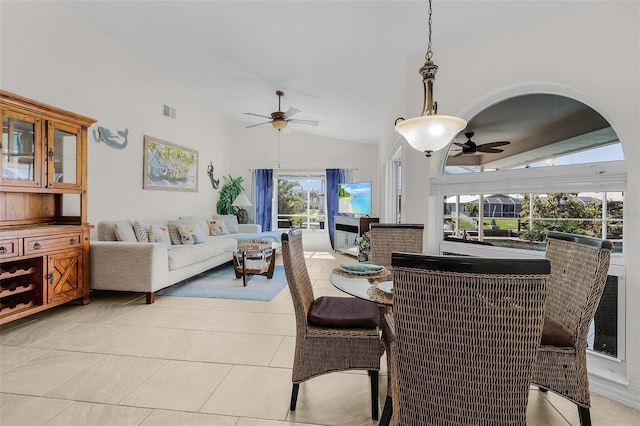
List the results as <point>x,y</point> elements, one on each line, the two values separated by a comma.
<point>167,111</point>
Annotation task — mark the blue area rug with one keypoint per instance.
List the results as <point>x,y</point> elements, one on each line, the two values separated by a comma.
<point>221,283</point>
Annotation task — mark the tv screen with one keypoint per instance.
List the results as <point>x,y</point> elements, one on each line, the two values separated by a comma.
<point>354,198</point>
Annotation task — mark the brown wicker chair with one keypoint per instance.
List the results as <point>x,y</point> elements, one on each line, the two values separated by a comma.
<point>332,333</point>
<point>386,238</point>
<point>389,237</point>
<point>467,332</point>
<point>579,267</point>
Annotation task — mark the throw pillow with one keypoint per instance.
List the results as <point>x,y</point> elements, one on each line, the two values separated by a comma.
<point>230,220</point>
<point>174,235</point>
<point>217,227</point>
<point>190,234</point>
<point>199,222</point>
<point>124,232</point>
<point>159,234</point>
<point>142,230</point>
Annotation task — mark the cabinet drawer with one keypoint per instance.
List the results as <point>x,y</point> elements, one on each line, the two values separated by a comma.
<point>45,244</point>
<point>9,248</point>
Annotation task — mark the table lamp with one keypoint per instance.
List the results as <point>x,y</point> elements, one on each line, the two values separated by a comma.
<point>240,202</point>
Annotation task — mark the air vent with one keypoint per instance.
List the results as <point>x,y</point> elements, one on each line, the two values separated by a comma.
<point>169,112</point>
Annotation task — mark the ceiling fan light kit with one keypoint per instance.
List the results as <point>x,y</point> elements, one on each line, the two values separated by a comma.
<point>430,132</point>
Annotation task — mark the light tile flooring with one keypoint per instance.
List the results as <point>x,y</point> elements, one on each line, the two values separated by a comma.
<point>191,361</point>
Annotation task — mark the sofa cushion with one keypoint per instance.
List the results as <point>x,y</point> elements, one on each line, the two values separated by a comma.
<point>200,223</point>
<point>159,234</point>
<point>174,235</point>
<point>142,230</point>
<point>190,234</point>
<point>181,256</point>
<point>230,220</point>
<point>218,227</point>
<point>273,236</point>
<point>124,232</point>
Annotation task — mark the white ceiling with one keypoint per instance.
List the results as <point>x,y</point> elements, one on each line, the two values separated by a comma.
<point>337,61</point>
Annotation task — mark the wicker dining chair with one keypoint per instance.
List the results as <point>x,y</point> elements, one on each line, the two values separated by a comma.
<point>579,269</point>
<point>385,238</point>
<point>467,332</point>
<point>332,333</point>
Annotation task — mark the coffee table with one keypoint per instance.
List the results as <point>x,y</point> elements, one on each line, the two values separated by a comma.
<point>254,259</point>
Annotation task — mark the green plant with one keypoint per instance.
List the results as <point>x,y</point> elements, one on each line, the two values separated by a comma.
<point>364,243</point>
<point>230,190</point>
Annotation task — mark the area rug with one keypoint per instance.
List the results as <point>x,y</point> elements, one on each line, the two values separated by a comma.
<point>221,283</point>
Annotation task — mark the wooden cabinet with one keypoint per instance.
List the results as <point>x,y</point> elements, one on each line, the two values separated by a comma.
<point>44,233</point>
<point>347,229</point>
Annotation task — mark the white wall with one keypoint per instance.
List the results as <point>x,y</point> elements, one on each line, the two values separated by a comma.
<point>257,148</point>
<point>57,59</point>
<point>592,56</point>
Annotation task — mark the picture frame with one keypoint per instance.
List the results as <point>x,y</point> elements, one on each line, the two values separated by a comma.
<point>169,167</point>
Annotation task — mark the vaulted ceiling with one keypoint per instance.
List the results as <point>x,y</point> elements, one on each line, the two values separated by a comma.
<point>338,62</point>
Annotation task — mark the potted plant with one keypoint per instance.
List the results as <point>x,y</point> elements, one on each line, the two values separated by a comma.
<point>230,190</point>
<point>364,247</point>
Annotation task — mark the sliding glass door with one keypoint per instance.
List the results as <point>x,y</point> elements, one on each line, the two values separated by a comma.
<point>301,201</point>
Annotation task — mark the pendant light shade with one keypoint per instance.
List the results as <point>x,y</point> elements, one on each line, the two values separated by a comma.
<point>429,132</point>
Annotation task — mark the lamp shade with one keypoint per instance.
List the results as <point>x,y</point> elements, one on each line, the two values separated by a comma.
<point>430,133</point>
<point>241,201</point>
<point>279,124</point>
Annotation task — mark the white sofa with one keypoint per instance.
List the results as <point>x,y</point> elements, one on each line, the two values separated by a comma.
<point>151,266</point>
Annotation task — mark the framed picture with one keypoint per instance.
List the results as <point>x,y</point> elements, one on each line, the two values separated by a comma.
<point>168,166</point>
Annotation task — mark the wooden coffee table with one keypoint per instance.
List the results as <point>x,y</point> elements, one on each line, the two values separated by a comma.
<point>254,259</point>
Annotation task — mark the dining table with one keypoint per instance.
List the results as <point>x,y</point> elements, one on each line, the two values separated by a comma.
<point>375,286</point>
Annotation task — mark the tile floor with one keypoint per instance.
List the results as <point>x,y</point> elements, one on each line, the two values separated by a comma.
<point>190,361</point>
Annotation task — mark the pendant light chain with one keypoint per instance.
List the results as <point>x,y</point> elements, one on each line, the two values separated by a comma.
<point>429,54</point>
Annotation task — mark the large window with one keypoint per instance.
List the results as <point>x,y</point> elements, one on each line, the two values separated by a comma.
<point>561,169</point>
<point>301,201</point>
<point>522,220</point>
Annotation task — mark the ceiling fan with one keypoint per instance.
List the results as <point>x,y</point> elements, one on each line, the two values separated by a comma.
<point>279,119</point>
<point>470,147</point>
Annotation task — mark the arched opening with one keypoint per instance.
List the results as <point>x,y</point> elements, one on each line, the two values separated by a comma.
<point>538,162</point>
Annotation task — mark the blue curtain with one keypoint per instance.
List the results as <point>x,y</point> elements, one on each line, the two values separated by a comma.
<point>262,195</point>
<point>334,177</point>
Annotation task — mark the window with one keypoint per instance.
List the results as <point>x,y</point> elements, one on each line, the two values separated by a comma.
<point>301,201</point>
<point>561,171</point>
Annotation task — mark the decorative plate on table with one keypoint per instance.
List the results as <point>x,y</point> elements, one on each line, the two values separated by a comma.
<point>361,268</point>
<point>386,287</point>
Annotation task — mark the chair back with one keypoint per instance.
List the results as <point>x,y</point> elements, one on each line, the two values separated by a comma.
<point>385,238</point>
<point>579,269</point>
<point>467,332</point>
<point>297,275</point>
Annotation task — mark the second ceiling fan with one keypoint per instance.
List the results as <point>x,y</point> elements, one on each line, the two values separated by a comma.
<point>280,119</point>
<point>470,147</point>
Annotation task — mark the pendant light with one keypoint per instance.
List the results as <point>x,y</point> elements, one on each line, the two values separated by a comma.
<point>430,132</point>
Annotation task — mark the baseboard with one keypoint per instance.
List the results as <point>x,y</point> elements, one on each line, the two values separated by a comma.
<point>614,391</point>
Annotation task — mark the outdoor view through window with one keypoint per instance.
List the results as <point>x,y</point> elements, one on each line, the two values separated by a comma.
<point>566,162</point>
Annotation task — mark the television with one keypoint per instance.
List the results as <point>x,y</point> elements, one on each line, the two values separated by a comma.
<point>354,198</point>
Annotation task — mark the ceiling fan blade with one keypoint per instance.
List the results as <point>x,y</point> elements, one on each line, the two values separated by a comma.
<point>259,124</point>
<point>308,122</point>
<point>495,144</point>
<point>461,144</point>
<point>291,112</point>
<point>459,154</point>
<point>258,115</point>
<point>490,150</point>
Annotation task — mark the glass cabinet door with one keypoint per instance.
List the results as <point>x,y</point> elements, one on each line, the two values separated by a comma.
<point>63,156</point>
<point>21,136</point>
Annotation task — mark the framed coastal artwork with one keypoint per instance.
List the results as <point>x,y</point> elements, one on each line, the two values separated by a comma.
<point>169,167</point>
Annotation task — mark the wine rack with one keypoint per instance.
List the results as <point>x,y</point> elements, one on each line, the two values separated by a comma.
<point>20,285</point>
